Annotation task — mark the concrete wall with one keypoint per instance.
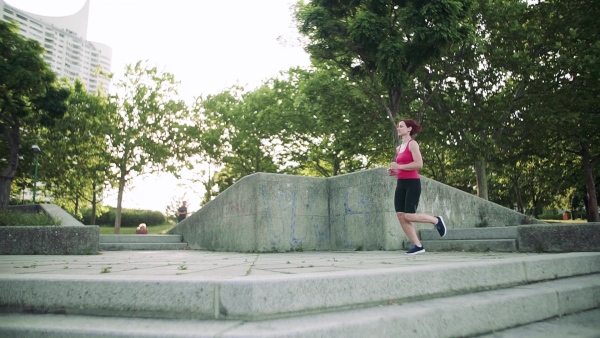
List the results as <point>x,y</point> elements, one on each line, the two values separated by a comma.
<point>361,212</point>
<point>71,237</point>
<point>463,210</point>
<point>55,211</point>
<point>273,212</point>
<point>576,237</point>
<point>49,240</point>
<point>262,212</point>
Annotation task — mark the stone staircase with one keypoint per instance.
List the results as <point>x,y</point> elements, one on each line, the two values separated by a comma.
<point>440,300</point>
<point>141,242</point>
<point>498,239</point>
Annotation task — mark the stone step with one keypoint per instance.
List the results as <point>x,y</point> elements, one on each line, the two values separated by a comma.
<point>140,238</point>
<point>267,297</point>
<point>498,239</point>
<point>470,245</point>
<point>141,242</point>
<point>471,233</point>
<point>462,315</point>
<point>142,246</point>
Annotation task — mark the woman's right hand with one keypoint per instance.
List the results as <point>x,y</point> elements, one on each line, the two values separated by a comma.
<point>392,172</point>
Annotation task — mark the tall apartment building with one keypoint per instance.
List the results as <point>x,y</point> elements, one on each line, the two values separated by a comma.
<point>68,52</point>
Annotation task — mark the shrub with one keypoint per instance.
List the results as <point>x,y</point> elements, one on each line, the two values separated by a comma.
<point>129,217</point>
<point>557,216</point>
<point>14,218</point>
<point>551,216</point>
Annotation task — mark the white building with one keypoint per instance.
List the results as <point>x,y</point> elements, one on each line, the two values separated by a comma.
<point>68,52</point>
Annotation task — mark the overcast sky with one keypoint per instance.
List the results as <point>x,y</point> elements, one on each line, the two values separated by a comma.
<point>207,44</point>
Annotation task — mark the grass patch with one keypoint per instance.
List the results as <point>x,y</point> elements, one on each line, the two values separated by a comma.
<point>14,218</point>
<point>152,230</point>
<point>579,220</point>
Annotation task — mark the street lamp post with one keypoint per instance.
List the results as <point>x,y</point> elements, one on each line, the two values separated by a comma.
<point>36,150</point>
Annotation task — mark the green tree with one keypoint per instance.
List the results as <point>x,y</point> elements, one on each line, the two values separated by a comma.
<point>332,127</point>
<point>477,103</point>
<point>564,89</point>
<point>304,121</point>
<point>218,182</point>
<point>151,131</point>
<point>29,98</point>
<point>77,161</point>
<point>240,129</point>
<point>382,44</point>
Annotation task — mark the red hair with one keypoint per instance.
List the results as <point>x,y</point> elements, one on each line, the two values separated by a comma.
<point>410,123</point>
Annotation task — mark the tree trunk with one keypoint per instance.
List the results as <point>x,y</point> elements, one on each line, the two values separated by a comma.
<point>94,202</point>
<point>76,205</point>
<point>394,130</point>
<point>336,166</point>
<point>13,139</point>
<point>392,111</point>
<point>482,187</point>
<point>572,204</point>
<point>518,194</point>
<point>119,206</point>
<point>588,173</point>
<point>5,183</point>
<point>257,160</point>
<point>536,208</point>
<point>443,169</point>
<point>397,140</point>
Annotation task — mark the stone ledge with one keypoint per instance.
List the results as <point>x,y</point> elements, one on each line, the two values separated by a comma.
<point>574,237</point>
<point>50,210</point>
<point>49,240</point>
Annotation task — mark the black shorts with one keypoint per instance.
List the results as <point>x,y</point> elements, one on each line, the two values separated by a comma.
<point>406,198</point>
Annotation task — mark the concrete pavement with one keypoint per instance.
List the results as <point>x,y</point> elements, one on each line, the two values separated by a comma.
<point>186,266</point>
<point>585,324</point>
<point>226,265</point>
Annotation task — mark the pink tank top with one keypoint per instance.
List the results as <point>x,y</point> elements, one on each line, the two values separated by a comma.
<point>406,157</point>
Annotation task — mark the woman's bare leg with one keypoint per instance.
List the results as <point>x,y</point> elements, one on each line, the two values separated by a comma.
<point>424,218</point>
<point>421,218</point>
<point>409,228</point>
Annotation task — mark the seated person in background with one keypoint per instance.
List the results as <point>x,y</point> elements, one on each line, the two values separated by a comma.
<point>141,229</point>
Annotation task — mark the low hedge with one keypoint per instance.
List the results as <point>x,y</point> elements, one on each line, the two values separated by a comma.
<point>556,216</point>
<point>15,218</point>
<point>129,217</point>
<point>552,216</point>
